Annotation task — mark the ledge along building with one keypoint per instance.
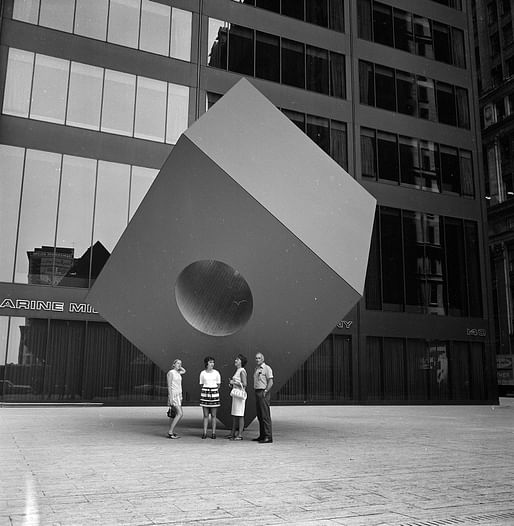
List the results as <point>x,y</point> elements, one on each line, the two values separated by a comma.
<point>94,95</point>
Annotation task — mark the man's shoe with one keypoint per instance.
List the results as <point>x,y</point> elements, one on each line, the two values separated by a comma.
<point>266,441</point>
<point>258,439</point>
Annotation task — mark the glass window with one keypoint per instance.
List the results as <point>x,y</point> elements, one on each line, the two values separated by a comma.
<point>297,118</point>
<point>385,88</point>
<point>368,153</point>
<point>26,10</point>
<point>178,112</point>
<point>456,289</point>
<point>118,102</point>
<point>181,23</point>
<point>458,49</point>
<point>317,12</point>
<point>473,268</point>
<point>11,173</point>
<point>317,69</point>
<point>267,57</point>
<point>414,259</point>
<point>442,45</point>
<point>366,83</point>
<point>57,14</point>
<point>112,203</point>
<point>403,34</point>
<point>155,27</point>
<point>38,214</point>
<point>336,14</point>
<point>91,18</point>
<point>429,157</point>
<point>387,156</point>
<point>364,19</point>
<point>124,22</point>
<point>426,99</point>
<point>217,44</point>
<point>450,169</point>
<point>18,83</point>
<point>461,95</point>
<point>382,24</point>
<point>338,143</point>
<point>406,93</point>
<point>294,8</point>
<point>140,181</point>
<point>423,37</point>
<point>337,75</point>
<point>85,96</point>
<point>241,54</point>
<point>293,63</point>
<point>446,110</point>
<point>392,260</point>
<point>75,216</point>
<point>150,109</point>
<point>269,5</point>
<point>466,173</point>
<point>49,89</point>
<point>409,162</point>
<point>317,130</point>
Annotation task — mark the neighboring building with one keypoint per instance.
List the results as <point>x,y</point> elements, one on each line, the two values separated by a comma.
<point>494,53</point>
<point>95,94</point>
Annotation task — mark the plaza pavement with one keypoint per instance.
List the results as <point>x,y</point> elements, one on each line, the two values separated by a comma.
<point>328,465</point>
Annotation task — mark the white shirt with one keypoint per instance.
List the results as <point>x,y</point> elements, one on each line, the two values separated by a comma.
<point>210,378</point>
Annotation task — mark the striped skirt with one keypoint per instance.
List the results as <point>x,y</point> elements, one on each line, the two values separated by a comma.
<point>210,397</point>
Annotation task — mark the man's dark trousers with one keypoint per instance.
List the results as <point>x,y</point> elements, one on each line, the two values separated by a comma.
<point>263,413</point>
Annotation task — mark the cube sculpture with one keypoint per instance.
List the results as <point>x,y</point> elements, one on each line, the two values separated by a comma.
<point>250,239</point>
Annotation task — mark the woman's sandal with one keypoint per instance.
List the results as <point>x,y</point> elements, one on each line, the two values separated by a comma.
<point>204,436</point>
<point>173,435</point>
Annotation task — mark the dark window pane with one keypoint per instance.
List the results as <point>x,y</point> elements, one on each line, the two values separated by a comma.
<point>317,130</point>
<point>455,265</point>
<point>387,156</point>
<point>297,117</point>
<point>414,258</point>
<point>368,153</point>
<point>403,34</point>
<point>382,24</point>
<point>338,143</point>
<point>212,98</point>
<point>423,37</point>
<point>293,63</point>
<point>459,54</point>
<point>392,260</point>
<point>294,8</point>
<point>267,57</point>
<point>426,99</point>
<point>270,5</point>
<point>450,171</point>
<point>461,94</point>
<point>364,19</point>
<point>409,162</point>
<point>442,47</point>
<point>473,267</point>
<point>446,110</point>
<point>373,286</point>
<point>317,12</point>
<point>366,83</point>
<point>240,54</point>
<point>317,69</point>
<point>217,45</point>
<point>385,88</point>
<point>466,174</point>
<point>337,75</point>
<point>406,93</point>
<point>335,14</point>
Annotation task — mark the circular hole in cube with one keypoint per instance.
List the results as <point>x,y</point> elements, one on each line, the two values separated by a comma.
<point>213,297</point>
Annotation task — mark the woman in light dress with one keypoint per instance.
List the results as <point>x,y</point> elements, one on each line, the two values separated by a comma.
<point>239,380</point>
<point>210,380</point>
<point>174,379</point>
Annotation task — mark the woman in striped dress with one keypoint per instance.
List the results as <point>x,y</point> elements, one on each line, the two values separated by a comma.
<point>210,380</point>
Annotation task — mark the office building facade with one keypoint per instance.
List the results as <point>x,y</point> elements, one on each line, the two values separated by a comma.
<point>94,96</point>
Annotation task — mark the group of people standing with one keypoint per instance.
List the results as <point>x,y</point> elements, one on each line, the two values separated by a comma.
<point>210,381</point>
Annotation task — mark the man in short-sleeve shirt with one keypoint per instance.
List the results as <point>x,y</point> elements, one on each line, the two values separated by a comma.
<point>262,383</point>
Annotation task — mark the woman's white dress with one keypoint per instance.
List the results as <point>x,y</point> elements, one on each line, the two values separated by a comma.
<point>238,404</point>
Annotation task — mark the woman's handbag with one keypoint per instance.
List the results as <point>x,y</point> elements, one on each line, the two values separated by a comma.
<point>172,412</point>
<point>238,392</point>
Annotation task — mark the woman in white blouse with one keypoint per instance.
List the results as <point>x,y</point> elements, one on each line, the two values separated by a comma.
<point>174,379</point>
<point>210,380</point>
